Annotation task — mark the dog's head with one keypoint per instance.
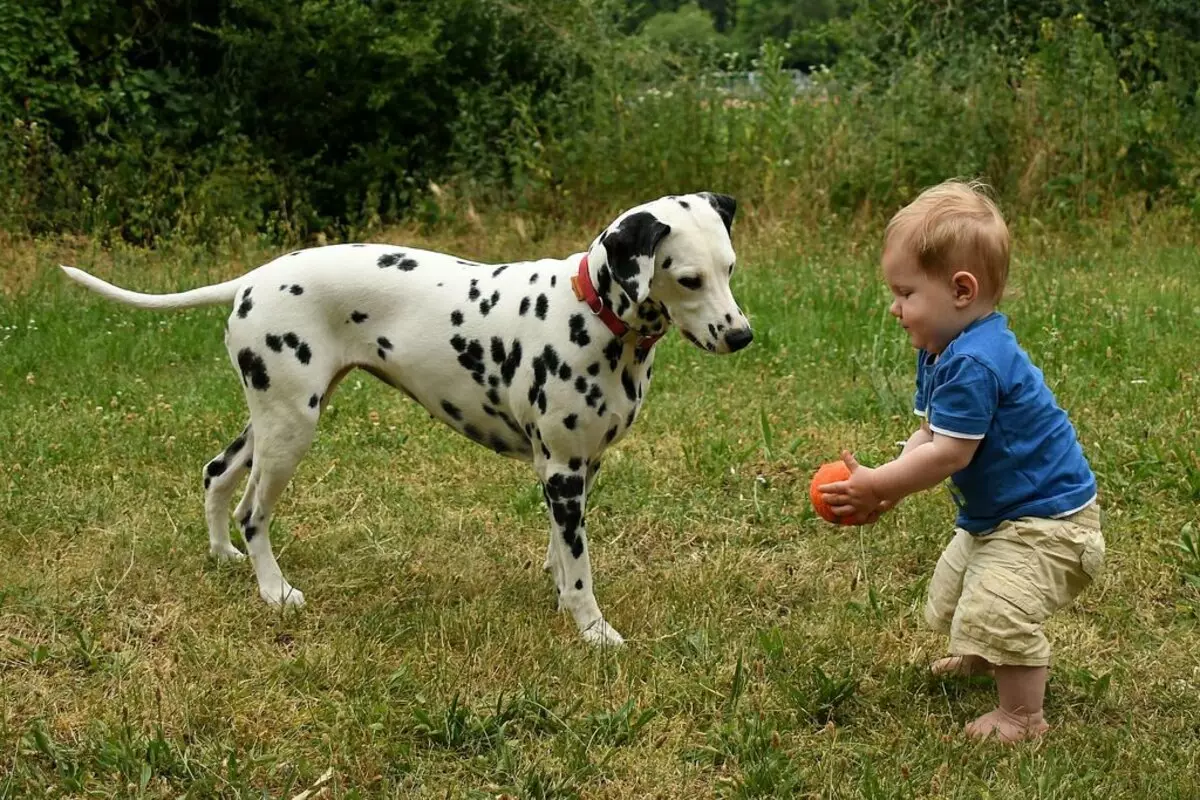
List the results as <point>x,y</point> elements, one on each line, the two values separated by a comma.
<point>670,260</point>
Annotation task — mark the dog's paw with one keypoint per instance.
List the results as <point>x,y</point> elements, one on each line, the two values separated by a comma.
<point>601,634</point>
<point>226,552</point>
<point>283,596</point>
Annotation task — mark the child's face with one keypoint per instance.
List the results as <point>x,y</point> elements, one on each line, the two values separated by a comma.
<point>925,306</point>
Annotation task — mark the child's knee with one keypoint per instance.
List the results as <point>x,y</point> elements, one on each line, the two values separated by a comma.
<point>1000,618</point>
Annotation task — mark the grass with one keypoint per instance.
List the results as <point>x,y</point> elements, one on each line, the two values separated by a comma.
<point>770,654</point>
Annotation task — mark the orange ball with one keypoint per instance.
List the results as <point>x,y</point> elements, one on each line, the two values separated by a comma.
<point>828,473</point>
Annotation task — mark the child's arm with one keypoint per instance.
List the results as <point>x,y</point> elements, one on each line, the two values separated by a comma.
<point>928,459</point>
<point>920,436</point>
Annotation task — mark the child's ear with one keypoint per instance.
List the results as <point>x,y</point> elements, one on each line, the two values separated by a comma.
<point>966,288</point>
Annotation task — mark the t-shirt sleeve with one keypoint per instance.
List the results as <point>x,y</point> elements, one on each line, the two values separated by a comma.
<point>964,400</point>
<point>920,398</point>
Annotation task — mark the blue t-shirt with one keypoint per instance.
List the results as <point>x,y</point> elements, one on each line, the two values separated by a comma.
<point>1029,463</point>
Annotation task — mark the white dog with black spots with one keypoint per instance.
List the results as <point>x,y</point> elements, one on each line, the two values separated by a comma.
<point>547,361</point>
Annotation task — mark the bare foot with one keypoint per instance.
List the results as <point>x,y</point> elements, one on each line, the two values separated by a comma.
<point>962,666</point>
<point>1007,726</point>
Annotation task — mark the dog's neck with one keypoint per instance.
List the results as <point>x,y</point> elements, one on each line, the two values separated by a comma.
<point>647,318</point>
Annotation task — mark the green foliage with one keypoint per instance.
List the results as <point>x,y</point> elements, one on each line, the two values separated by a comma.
<point>204,120</point>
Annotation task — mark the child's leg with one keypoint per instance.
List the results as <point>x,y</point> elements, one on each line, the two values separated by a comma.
<point>945,589</point>
<point>1019,715</point>
<point>1019,575</point>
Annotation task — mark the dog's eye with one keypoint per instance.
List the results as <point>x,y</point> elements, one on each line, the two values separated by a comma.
<point>693,282</point>
<point>731,266</point>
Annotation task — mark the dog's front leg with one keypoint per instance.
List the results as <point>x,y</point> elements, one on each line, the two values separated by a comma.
<point>565,490</point>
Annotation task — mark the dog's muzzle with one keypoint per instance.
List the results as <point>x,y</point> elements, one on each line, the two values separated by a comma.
<point>737,339</point>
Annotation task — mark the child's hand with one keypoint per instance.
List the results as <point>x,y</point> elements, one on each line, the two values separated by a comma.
<point>855,497</point>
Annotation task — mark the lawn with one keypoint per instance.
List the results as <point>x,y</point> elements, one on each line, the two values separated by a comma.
<point>769,653</point>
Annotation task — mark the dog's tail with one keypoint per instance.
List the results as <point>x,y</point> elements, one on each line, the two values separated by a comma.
<point>204,296</point>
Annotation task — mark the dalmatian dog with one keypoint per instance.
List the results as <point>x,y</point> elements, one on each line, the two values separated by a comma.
<point>547,361</point>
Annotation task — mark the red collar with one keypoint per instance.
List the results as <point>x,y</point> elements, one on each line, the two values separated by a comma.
<point>585,291</point>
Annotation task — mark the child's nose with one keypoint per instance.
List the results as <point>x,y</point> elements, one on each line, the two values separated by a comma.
<point>894,308</point>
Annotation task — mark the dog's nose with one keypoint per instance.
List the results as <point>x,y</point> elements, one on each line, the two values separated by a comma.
<point>736,340</point>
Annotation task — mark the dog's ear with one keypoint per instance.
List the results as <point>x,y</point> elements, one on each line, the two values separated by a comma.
<point>630,248</point>
<point>724,205</point>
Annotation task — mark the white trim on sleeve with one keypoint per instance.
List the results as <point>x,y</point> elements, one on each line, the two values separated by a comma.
<point>955,434</point>
<point>920,413</point>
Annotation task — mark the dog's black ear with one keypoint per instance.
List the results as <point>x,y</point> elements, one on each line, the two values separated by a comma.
<point>630,248</point>
<point>724,205</point>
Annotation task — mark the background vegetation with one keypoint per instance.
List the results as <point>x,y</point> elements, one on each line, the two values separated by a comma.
<point>201,119</point>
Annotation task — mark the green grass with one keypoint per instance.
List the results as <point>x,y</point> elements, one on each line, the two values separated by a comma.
<point>769,654</point>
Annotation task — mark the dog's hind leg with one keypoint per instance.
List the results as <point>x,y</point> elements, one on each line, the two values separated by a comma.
<point>565,489</point>
<point>282,435</point>
<point>221,476</point>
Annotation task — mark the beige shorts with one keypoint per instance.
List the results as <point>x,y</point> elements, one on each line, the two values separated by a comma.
<point>992,593</point>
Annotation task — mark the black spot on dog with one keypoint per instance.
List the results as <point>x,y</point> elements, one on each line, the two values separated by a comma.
<point>553,281</point>
<point>253,368</point>
<point>473,293</point>
<point>593,396</point>
<point>581,385</point>
<point>296,289</point>
<point>579,583</point>
<point>543,305</point>
<point>570,421</point>
<point>303,353</point>
<point>524,306</point>
<point>579,334</point>
<point>667,262</point>
<point>684,203</point>
<point>458,343</point>
<point>291,340</point>
<point>246,304</point>
<point>207,481</point>
<point>359,316</point>
<point>358,245</point>
<point>456,318</point>
<point>314,401</point>
<point>493,396</point>
<point>533,278</point>
<point>384,342</point>
<point>216,467</point>
<point>498,350</point>
<point>612,351</point>
<point>564,373</point>
<point>487,305</point>
<point>628,385</point>
<point>594,369</point>
<point>496,272</point>
<point>398,261</point>
<point>550,359</point>
<point>574,464</point>
<point>509,368</point>
<point>472,359</point>
<point>493,381</point>
<point>451,409</point>
<point>274,342</point>
<point>612,434</point>
<point>564,494</point>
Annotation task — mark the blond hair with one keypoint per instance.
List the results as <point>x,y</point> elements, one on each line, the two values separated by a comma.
<point>955,226</point>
